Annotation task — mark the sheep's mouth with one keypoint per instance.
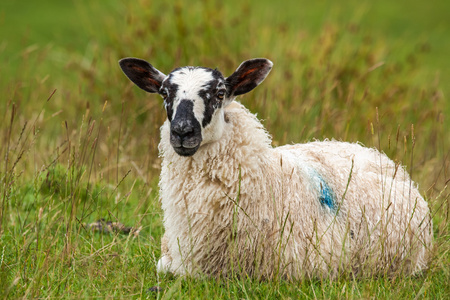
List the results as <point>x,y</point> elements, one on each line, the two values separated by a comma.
<point>185,147</point>
<point>184,151</point>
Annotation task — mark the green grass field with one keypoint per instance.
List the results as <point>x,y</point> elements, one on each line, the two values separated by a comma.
<point>79,141</point>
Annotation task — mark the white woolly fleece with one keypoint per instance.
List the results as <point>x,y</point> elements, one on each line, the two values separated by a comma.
<point>239,205</point>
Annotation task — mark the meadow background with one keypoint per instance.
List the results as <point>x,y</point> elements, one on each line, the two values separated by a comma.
<point>78,142</point>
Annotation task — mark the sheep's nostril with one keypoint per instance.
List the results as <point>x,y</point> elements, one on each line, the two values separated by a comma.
<point>182,131</point>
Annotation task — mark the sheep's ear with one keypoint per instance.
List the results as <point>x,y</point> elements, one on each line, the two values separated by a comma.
<point>248,76</point>
<point>143,74</point>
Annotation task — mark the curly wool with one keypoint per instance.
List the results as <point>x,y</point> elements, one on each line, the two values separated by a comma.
<point>314,209</point>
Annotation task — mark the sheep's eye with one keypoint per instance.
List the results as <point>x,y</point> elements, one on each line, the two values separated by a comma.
<point>221,94</point>
<point>163,93</point>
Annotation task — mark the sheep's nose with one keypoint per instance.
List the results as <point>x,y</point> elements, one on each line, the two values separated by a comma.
<point>182,130</point>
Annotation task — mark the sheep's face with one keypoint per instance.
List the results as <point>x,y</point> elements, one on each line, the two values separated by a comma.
<point>194,97</point>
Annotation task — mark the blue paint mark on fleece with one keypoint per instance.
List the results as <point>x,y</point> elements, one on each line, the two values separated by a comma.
<point>326,194</point>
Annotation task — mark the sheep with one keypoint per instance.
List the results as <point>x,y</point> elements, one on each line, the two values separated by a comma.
<point>235,205</point>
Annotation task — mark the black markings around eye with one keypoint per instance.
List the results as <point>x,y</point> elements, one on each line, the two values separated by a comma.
<point>168,91</point>
<point>163,93</point>
<point>220,94</point>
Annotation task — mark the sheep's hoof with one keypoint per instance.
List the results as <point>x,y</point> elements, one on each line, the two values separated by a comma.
<point>163,265</point>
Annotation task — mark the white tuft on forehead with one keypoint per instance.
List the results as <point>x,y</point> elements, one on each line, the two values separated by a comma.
<point>191,78</point>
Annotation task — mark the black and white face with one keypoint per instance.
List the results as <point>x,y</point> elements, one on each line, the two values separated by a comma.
<point>194,97</point>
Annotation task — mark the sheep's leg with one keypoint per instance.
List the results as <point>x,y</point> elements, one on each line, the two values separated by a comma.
<point>164,263</point>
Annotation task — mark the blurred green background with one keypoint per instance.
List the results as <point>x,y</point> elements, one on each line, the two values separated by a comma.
<point>405,25</point>
<point>79,141</point>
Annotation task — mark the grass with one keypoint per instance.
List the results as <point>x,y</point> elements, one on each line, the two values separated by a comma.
<point>79,142</point>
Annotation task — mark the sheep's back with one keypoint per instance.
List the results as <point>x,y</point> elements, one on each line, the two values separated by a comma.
<point>377,208</point>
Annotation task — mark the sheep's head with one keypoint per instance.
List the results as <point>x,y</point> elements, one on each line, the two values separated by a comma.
<point>194,97</point>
